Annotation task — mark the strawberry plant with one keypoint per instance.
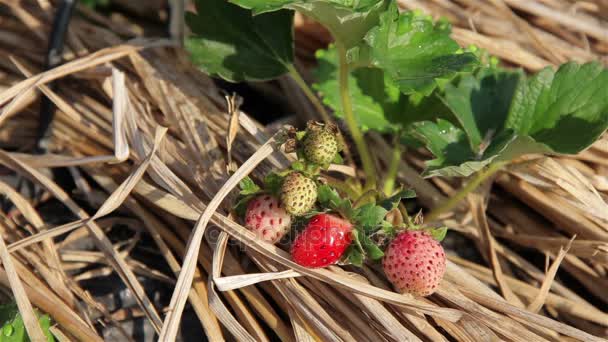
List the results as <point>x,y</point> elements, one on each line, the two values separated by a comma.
<point>400,74</point>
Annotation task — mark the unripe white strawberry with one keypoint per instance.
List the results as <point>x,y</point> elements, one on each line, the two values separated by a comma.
<point>267,218</point>
<point>414,262</point>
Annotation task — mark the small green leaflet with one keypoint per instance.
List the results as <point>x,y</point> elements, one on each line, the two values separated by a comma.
<point>393,201</point>
<point>228,42</point>
<point>13,329</point>
<point>248,191</point>
<point>503,115</point>
<point>362,247</point>
<point>438,233</point>
<point>248,186</point>
<point>347,20</point>
<point>328,197</point>
<point>369,216</point>
<point>371,249</point>
<point>354,255</point>
<point>415,52</point>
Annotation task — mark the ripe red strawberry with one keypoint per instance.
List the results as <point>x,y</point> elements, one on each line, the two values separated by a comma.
<point>267,218</point>
<point>414,262</point>
<point>322,242</point>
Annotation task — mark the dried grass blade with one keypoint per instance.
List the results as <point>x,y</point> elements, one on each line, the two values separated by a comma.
<point>184,282</point>
<point>47,234</point>
<point>529,317</point>
<point>198,295</point>
<point>114,201</point>
<point>299,328</point>
<point>57,279</point>
<point>238,281</point>
<point>233,126</point>
<point>476,202</point>
<point>17,92</point>
<point>119,109</point>
<point>30,319</point>
<point>99,237</point>
<point>539,301</point>
<point>215,302</point>
<point>381,313</point>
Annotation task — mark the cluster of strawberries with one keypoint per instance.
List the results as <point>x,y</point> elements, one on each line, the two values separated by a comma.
<point>412,259</point>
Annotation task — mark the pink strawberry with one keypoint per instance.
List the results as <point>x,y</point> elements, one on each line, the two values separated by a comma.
<point>322,242</point>
<point>414,262</point>
<point>267,218</point>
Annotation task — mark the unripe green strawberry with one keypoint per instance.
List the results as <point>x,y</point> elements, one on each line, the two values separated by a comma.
<point>320,145</point>
<point>298,194</point>
<point>414,262</point>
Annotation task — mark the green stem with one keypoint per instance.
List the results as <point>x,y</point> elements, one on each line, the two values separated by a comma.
<point>351,122</point>
<point>366,197</point>
<point>464,191</point>
<point>295,75</point>
<point>393,168</point>
<point>343,187</point>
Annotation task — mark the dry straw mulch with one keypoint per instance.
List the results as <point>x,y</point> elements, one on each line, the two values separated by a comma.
<point>117,93</point>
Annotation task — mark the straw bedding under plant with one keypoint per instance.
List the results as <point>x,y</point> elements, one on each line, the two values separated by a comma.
<point>176,186</point>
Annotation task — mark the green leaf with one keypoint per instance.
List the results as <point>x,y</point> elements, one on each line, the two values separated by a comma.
<point>415,52</point>
<point>13,328</point>
<point>551,106</point>
<point>372,251</point>
<point>369,216</point>
<point>328,197</point>
<point>388,229</point>
<point>377,102</point>
<point>481,103</point>
<point>240,208</point>
<point>298,165</point>
<point>354,255</point>
<point>338,159</point>
<point>438,233</point>
<point>248,186</point>
<point>393,201</point>
<point>347,20</point>
<point>228,42</point>
<point>505,115</point>
<point>272,183</point>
